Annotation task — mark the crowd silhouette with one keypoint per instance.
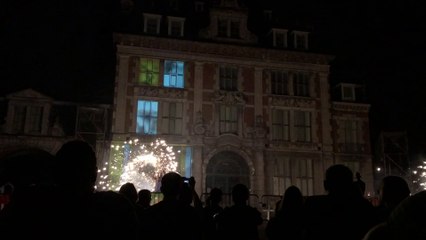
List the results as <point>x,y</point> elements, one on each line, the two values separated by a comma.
<point>53,196</point>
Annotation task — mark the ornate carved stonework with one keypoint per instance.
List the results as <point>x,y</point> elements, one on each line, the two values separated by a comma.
<point>351,107</point>
<point>287,101</point>
<point>199,126</point>
<point>229,97</point>
<point>294,145</point>
<point>150,91</point>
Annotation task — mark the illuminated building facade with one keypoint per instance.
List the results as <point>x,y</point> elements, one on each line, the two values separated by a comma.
<point>244,103</point>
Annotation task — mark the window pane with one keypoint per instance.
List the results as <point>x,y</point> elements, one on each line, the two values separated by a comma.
<point>35,118</point>
<point>148,71</point>
<point>228,78</point>
<point>19,119</point>
<point>173,74</point>
<point>147,113</point>
<point>228,121</point>
<point>172,118</point>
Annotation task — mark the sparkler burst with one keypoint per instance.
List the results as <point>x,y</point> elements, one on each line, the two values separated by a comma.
<point>141,164</point>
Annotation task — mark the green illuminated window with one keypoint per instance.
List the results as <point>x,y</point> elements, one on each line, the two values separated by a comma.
<point>149,71</point>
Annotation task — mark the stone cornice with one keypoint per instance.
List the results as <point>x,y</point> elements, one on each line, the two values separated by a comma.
<point>208,49</point>
<point>290,101</point>
<point>350,107</point>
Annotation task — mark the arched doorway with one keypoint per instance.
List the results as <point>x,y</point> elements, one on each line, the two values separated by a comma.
<point>226,169</point>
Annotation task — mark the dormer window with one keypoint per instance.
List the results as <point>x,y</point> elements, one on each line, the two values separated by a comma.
<point>228,28</point>
<point>348,92</point>
<point>151,23</point>
<point>175,26</point>
<point>267,15</point>
<point>279,38</point>
<point>199,7</point>
<point>300,40</point>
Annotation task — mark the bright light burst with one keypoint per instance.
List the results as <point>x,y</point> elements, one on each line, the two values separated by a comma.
<point>141,164</point>
<point>419,177</point>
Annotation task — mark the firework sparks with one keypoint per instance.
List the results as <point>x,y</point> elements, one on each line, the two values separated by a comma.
<point>141,164</point>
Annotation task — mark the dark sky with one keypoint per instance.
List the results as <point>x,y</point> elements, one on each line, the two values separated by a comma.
<point>67,45</point>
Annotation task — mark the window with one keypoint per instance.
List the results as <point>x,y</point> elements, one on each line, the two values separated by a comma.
<point>280,125</point>
<point>175,27</point>
<point>147,113</point>
<point>174,5</point>
<point>228,78</point>
<point>173,74</point>
<point>35,119</point>
<point>288,172</point>
<point>151,23</point>
<point>199,7</point>
<point>19,119</point>
<point>228,28</point>
<point>300,40</point>
<point>348,93</point>
<point>267,15</point>
<point>282,176</point>
<point>302,126</point>
<point>304,176</point>
<point>27,119</point>
<point>350,131</point>
<point>222,28</point>
<point>148,71</point>
<point>301,84</point>
<point>279,38</point>
<point>279,83</point>
<point>228,119</point>
<point>172,118</point>
<point>235,29</point>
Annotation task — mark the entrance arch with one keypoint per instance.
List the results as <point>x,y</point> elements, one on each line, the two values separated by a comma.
<point>226,169</point>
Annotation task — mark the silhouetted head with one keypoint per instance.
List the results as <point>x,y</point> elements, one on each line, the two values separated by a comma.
<point>240,194</point>
<point>338,179</point>
<point>171,184</point>
<point>129,191</point>
<point>393,190</point>
<point>292,198</point>
<point>215,196</point>
<point>144,198</point>
<point>77,162</point>
<point>358,175</point>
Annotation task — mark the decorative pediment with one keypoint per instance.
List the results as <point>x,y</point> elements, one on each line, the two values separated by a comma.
<point>28,94</point>
<point>229,98</point>
<point>149,91</point>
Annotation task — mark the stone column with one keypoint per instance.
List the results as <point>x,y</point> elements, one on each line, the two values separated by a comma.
<point>259,173</point>
<point>258,92</point>
<point>120,107</point>
<point>198,88</point>
<point>197,169</point>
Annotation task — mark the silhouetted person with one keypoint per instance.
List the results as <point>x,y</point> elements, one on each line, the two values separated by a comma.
<point>171,218</point>
<point>392,191</point>
<point>406,221</point>
<point>144,198</point>
<point>239,221</point>
<point>341,214</point>
<point>86,212</point>
<point>359,183</point>
<point>287,222</point>
<point>129,191</point>
<point>210,212</point>
<point>31,212</point>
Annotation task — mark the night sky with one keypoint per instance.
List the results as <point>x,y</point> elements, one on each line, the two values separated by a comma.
<point>68,47</point>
